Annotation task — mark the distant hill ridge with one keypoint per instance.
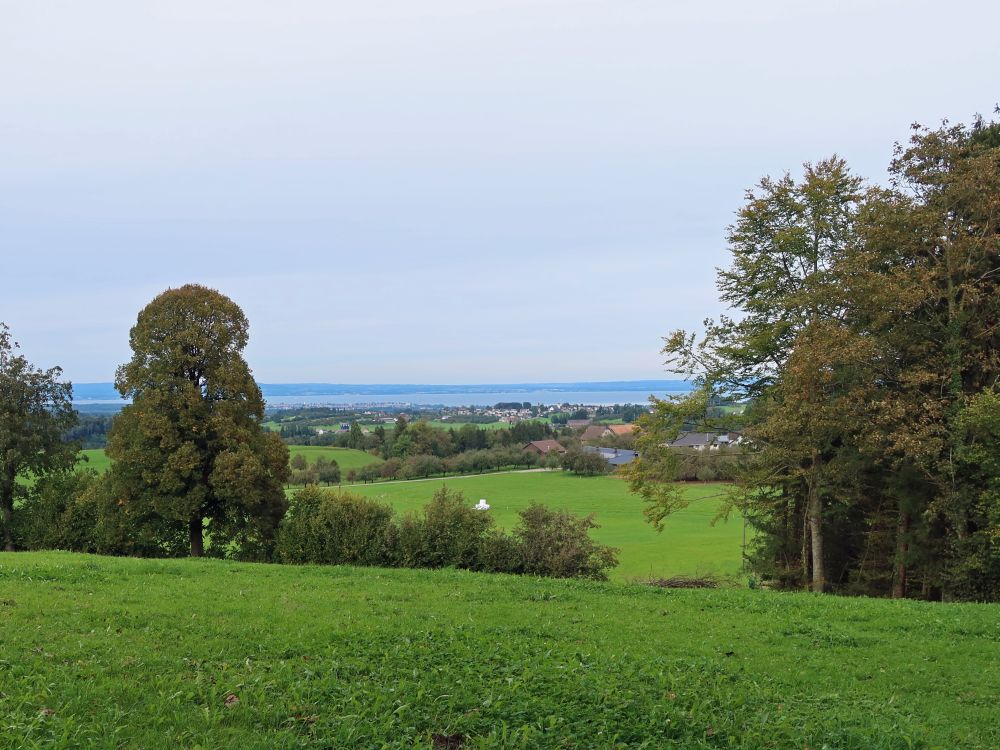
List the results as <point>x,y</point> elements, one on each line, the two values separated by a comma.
<point>87,391</point>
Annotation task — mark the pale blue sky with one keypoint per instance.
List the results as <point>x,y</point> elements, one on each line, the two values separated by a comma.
<point>434,191</point>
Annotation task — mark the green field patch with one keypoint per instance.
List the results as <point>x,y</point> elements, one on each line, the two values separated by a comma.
<point>118,652</point>
<point>447,424</point>
<point>346,458</point>
<point>94,458</point>
<point>688,545</point>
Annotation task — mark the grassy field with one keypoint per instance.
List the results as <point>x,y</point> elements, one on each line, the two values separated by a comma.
<point>688,544</point>
<point>95,459</point>
<point>148,654</point>
<point>346,457</point>
<point>456,425</point>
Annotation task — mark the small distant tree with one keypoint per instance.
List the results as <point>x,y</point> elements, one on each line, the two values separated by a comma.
<point>355,438</point>
<point>390,469</point>
<point>327,471</point>
<point>36,409</point>
<point>584,463</point>
<point>298,462</point>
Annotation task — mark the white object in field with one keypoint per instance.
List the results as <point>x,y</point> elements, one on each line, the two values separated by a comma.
<point>481,505</point>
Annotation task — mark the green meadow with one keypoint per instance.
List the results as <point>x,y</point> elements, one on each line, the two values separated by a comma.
<point>456,425</point>
<point>347,458</point>
<point>94,458</point>
<point>149,654</point>
<point>688,545</point>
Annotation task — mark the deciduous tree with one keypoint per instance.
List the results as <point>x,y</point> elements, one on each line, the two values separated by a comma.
<point>191,446</point>
<point>36,410</point>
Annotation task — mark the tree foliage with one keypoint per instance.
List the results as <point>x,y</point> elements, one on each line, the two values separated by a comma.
<point>865,340</point>
<point>190,447</point>
<point>36,410</point>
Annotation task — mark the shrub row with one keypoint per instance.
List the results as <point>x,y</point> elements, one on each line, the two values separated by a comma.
<point>332,527</point>
<point>79,512</point>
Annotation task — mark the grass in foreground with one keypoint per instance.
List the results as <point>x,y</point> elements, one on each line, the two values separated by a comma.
<point>689,544</point>
<point>126,653</point>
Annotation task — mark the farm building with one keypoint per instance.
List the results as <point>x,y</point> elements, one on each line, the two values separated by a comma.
<point>620,430</point>
<point>544,447</point>
<point>598,431</point>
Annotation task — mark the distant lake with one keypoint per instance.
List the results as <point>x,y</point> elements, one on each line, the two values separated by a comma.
<point>102,396</point>
<point>547,398</point>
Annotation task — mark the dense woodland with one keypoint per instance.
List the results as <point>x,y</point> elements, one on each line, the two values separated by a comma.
<point>865,339</point>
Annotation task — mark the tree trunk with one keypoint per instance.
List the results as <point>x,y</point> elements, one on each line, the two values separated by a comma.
<point>814,511</point>
<point>804,553</point>
<point>8,520</point>
<point>195,525</point>
<point>902,548</point>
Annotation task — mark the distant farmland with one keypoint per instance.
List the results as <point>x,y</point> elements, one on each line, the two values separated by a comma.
<point>347,458</point>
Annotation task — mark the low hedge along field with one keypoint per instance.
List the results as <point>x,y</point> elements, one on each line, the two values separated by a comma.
<point>128,653</point>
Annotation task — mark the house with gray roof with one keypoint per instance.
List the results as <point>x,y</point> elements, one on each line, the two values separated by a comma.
<point>700,441</point>
<point>614,456</point>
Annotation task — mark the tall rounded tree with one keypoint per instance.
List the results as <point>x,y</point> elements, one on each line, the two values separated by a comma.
<point>191,447</point>
<point>35,412</point>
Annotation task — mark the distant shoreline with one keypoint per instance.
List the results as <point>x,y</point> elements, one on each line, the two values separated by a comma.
<point>346,395</point>
<point>106,391</point>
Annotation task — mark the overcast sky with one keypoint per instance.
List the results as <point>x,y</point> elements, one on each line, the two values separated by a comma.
<point>434,191</point>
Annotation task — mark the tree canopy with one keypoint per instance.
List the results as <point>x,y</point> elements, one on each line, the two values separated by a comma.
<point>865,343</point>
<point>36,410</point>
<point>191,448</point>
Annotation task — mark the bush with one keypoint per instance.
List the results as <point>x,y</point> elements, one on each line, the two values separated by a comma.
<point>332,527</point>
<point>558,544</point>
<point>447,532</point>
<point>85,512</point>
<point>500,553</point>
<point>52,516</point>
